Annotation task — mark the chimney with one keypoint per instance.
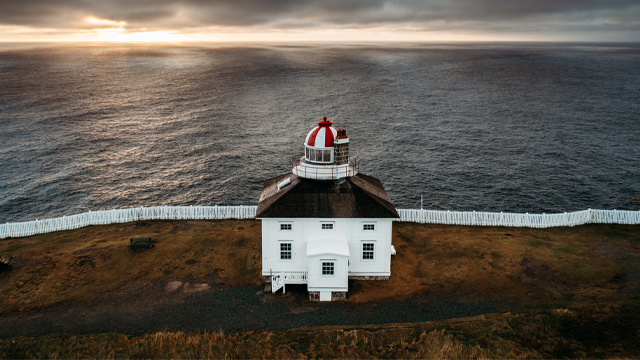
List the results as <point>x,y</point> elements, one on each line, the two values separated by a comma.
<point>341,148</point>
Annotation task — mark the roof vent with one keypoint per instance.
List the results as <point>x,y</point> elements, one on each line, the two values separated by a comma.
<point>284,183</point>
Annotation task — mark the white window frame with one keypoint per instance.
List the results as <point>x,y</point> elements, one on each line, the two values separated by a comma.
<point>372,251</point>
<point>281,251</point>
<point>368,224</point>
<point>327,225</point>
<point>331,263</point>
<point>286,223</point>
<point>314,158</point>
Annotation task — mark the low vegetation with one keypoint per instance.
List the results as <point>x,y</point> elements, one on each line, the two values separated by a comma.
<point>576,290</point>
<point>555,266</point>
<point>81,264</point>
<point>591,332</point>
<point>536,266</point>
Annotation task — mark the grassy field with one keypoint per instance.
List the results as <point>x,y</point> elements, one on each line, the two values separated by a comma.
<point>588,332</point>
<point>555,266</point>
<point>536,266</point>
<point>83,263</point>
<point>571,284</point>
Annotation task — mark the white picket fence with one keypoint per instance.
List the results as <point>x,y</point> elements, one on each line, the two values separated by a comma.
<point>520,220</point>
<point>114,216</point>
<point>104,217</point>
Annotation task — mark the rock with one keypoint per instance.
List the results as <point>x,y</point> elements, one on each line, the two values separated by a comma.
<point>201,287</point>
<point>188,288</point>
<point>172,287</point>
<point>5,259</point>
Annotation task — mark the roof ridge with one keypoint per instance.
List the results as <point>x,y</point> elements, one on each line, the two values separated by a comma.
<point>295,181</point>
<point>384,202</point>
<point>359,196</point>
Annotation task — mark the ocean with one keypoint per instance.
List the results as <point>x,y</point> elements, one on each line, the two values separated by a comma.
<point>520,127</point>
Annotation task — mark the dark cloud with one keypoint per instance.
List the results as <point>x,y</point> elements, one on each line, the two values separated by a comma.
<point>453,14</point>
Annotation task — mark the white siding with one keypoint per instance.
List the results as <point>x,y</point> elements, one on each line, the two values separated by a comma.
<point>336,282</point>
<point>381,237</point>
<point>310,229</point>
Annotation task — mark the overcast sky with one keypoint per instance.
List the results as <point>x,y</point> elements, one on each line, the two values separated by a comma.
<point>320,20</point>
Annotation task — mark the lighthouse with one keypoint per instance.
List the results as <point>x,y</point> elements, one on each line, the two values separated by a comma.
<point>324,222</point>
<point>326,154</point>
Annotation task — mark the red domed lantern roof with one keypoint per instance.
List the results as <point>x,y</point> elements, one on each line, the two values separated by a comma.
<point>322,135</point>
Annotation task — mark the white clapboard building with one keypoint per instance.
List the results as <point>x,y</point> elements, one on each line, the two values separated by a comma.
<point>324,222</point>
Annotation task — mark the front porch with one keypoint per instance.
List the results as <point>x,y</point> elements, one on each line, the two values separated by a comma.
<point>279,279</point>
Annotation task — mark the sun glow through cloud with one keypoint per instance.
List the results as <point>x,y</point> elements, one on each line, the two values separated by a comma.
<point>96,21</point>
<point>317,21</point>
<point>105,30</point>
<point>120,35</point>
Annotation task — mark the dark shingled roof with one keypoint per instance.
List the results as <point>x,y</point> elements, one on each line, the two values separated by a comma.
<point>359,196</point>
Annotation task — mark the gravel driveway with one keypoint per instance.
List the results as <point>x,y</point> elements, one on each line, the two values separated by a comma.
<point>144,307</point>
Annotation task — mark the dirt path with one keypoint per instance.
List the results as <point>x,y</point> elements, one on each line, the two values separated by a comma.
<point>145,306</point>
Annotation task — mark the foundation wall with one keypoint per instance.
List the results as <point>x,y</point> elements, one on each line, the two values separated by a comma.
<point>369,277</point>
<point>335,295</point>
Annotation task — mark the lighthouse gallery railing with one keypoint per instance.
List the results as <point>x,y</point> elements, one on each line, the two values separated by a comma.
<point>104,217</point>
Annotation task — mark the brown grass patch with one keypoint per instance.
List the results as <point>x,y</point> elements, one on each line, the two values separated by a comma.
<point>80,264</point>
<point>531,266</point>
<point>583,332</point>
<point>536,266</point>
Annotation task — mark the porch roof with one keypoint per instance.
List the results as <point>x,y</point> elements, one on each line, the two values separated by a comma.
<point>328,247</point>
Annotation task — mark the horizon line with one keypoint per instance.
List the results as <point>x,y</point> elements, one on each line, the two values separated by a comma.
<point>318,42</point>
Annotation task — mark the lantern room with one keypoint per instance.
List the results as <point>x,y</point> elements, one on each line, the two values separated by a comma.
<point>326,155</point>
<point>319,143</point>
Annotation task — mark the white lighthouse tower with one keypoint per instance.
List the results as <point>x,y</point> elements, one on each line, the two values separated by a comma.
<point>324,222</point>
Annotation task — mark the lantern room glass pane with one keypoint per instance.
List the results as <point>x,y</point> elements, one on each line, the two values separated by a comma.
<point>318,155</point>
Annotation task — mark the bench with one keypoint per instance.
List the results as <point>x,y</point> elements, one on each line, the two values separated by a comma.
<point>137,243</point>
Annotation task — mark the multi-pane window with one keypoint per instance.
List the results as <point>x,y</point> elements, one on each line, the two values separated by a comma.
<point>317,155</point>
<point>327,268</point>
<point>285,226</point>
<point>285,251</point>
<point>327,226</point>
<point>368,227</point>
<point>367,251</point>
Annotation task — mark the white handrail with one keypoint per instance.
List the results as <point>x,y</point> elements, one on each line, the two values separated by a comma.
<point>105,217</point>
